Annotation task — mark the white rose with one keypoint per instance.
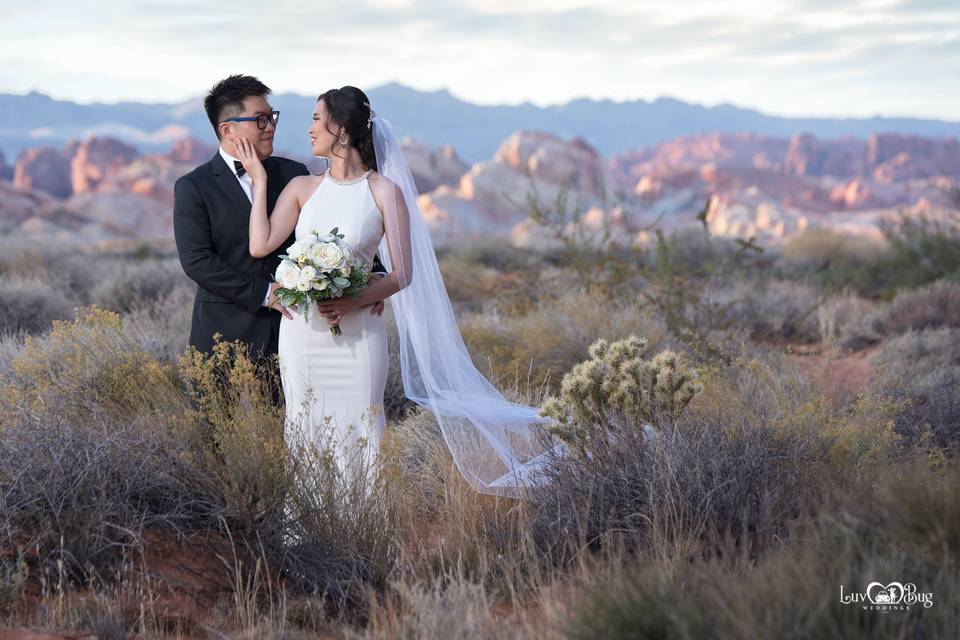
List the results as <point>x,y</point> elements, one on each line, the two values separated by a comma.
<point>288,274</point>
<point>304,285</point>
<point>327,256</point>
<point>308,273</point>
<point>298,249</point>
<point>321,284</point>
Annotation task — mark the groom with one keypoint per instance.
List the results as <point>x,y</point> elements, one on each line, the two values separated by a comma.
<point>211,214</point>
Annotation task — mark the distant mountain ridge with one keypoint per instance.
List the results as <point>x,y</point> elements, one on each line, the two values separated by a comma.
<point>434,118</point>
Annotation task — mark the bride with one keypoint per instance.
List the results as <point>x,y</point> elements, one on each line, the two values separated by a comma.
<point>333,385</point>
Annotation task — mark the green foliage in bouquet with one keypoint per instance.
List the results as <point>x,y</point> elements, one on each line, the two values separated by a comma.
<point>618,388</point>
<point>319,267</point>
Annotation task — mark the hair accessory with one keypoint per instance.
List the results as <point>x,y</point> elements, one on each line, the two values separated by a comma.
<point>373,114</point>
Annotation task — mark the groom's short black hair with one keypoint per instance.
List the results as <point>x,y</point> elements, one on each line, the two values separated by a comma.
<point>226,98</point>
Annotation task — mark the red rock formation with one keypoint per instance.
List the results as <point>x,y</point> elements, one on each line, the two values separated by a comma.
<point>191,151</point>
<point>96,159</point>
<point>807,155</point>
<point>551,159</point>
<point>43,168</point>
<point>432,168</point>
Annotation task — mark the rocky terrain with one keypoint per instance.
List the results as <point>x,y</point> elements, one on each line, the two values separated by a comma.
<point>753,185</point>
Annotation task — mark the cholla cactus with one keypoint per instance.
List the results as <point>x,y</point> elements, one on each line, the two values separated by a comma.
<point>617,386</point>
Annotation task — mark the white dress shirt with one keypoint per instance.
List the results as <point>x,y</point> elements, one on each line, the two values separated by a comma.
<point>247,184</point>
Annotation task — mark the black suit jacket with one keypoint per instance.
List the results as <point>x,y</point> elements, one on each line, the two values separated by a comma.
<point>211,216</point>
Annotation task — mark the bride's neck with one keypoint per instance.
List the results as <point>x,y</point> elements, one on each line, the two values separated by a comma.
<point>347,168</point>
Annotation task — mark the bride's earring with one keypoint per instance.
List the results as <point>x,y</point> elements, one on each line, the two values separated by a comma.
<point>343,142</point>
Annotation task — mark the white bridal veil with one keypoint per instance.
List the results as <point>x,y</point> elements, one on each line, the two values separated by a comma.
<point>498,446</point>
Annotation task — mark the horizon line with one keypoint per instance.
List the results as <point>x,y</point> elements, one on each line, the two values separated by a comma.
<point>447,91</point>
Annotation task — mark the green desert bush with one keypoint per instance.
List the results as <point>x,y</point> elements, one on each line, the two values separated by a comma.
<point>917,250</point>
<point>30,306</point>
<point>921,369</point>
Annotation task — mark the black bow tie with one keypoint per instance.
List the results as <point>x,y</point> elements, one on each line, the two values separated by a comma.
<point>239,167</point>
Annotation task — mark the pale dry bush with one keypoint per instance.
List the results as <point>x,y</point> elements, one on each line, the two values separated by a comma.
<point>74,267</point>
<point>758,447</point>
<point>819,248</point>
<point>448,607</point>
<point>547,340</point>
<point>922,370</point>
<point>935,305</point>
<point>30,305</point>
<point>850,322</point>
<point>162,328</point>
<point>904,524</point>
<point>768,309</point>
<point>137,284</point>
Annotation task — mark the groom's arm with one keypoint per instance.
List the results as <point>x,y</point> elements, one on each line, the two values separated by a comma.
<point>199,258</point>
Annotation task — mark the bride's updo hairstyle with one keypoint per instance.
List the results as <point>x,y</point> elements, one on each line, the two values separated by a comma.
<point>349,107</point>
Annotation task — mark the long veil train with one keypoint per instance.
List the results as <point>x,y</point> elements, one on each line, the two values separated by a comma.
<point>496,444</point>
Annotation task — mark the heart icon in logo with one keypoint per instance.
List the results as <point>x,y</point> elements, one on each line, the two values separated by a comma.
<point>890,594</point>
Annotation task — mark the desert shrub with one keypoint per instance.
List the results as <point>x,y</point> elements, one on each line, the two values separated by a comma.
<point>768,309</point>
<point>547,340</point>
<point>917,250</point>
<point>894,532</point>
<point>79,494</point>
<point>935,305</point>
<point>137,284</point>
<point>75,268</point>
<point>849,321</point>
<point>162,328</point>
<point>817,249</point>
<point>31,305</point>
<point>617,389</point>
<point>329,531</point>
<point>89,367</point>
<point>922,370</point>
<point>755,449</point>
<point>395,401</point>
<point>10,346</point>
<point>449,607</point>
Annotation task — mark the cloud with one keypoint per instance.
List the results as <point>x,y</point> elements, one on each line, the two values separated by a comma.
<point>785,56</point>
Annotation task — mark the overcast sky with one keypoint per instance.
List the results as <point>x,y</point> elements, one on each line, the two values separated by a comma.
<point>785,57</point>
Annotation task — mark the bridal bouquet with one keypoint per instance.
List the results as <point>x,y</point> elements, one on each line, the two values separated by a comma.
<point>319,267</point>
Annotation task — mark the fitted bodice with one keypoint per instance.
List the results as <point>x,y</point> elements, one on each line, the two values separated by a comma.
<point>348,206</point>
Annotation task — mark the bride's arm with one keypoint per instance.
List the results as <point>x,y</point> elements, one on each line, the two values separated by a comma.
<point>268,233</point>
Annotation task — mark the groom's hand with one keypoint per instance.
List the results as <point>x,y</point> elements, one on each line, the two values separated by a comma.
<point>274,302</point>
<point>376,309</point>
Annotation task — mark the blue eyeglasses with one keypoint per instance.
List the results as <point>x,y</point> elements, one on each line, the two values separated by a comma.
<point>261,120</point>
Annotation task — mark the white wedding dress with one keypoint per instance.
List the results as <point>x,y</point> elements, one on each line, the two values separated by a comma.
<point>333,385</point>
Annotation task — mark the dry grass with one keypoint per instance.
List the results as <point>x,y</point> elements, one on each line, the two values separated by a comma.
<point>740,519</point>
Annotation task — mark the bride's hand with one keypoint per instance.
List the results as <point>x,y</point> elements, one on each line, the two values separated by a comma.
<point>334,310</point>
<point>248,157</point>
